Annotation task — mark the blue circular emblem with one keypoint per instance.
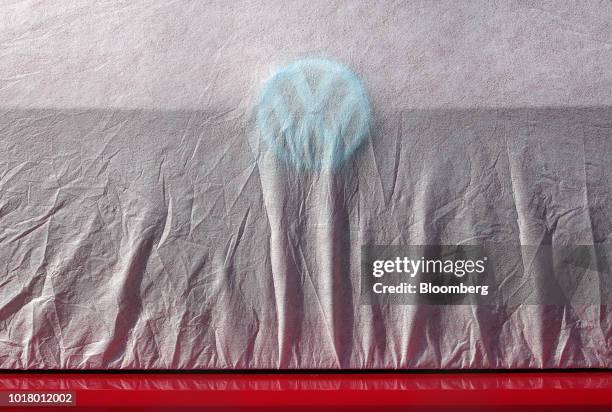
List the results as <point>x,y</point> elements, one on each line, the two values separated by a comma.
<point>314,114</point>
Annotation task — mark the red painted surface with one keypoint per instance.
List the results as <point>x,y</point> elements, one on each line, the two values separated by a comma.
<point>324,390</point>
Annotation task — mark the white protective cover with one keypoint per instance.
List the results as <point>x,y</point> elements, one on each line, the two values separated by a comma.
<point>144,223</point>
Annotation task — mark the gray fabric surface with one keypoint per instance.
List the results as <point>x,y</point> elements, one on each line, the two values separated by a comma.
<point>144,223</point>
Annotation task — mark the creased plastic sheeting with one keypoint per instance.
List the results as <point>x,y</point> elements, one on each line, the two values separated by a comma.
<point>148,226</point>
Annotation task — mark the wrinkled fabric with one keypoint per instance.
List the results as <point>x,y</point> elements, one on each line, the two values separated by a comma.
<point>144,223</point>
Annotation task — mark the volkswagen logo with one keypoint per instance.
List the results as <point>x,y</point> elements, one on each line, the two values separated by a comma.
<point>313,114</point>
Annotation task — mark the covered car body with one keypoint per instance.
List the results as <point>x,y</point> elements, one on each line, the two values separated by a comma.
<point>145,223</point>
